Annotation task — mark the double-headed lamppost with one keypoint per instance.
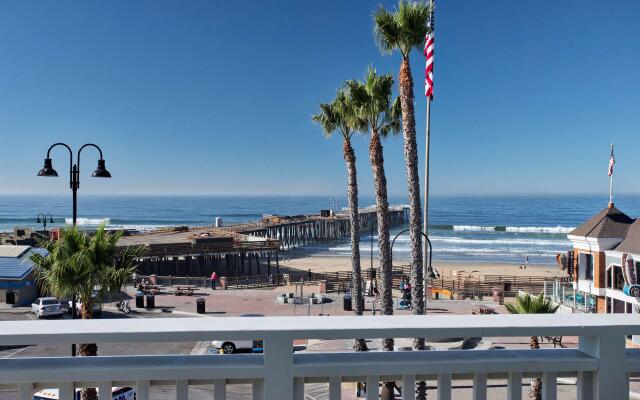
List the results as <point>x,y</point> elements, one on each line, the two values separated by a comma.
<point>42,219</point>
<point>74,182</point>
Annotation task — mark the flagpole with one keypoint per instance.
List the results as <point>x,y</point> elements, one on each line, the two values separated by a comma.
<point>425,225</point>
<point>611,182</point>
<point>425,216</point>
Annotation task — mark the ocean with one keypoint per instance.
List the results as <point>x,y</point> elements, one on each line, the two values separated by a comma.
<point>461,228</point>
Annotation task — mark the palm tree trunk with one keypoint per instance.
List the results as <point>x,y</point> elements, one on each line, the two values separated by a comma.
<point>384,247</point>
<point>535,391</point>
<point>405,82</point>
<point>357,291</point>
<point>88,350</point>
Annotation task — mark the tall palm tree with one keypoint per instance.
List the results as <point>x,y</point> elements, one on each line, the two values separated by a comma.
<point>89,267</point>
<point>380,113</point>
<point>340,116</point>
<point>528,304</point>
<point>403,30</point>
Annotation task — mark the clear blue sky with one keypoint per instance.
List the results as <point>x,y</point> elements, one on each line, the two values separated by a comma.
<point>216,97</point>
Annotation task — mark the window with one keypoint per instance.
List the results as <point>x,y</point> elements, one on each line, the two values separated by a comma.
<point>588,266</point>
<point>615,279</point>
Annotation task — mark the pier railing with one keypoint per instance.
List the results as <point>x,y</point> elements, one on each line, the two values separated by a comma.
<point>601,363</point>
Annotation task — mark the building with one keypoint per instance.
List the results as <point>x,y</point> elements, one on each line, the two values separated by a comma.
<point>17,280</point>
<point>606,261</point>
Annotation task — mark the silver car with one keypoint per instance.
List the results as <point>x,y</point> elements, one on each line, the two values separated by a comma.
<point>47,307</point>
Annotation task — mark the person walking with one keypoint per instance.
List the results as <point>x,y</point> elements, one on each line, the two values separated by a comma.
<point>214,278</point>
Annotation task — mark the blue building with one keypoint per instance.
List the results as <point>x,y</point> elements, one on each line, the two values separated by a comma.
<point>17,279</point>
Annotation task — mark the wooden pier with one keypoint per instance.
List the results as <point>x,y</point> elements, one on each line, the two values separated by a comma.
<point>242,249</point>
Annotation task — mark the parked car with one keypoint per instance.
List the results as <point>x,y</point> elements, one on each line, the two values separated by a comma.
<point>96,310</point>
<point>232,346</point>
<point>117,393</point>
<point>47,307</point>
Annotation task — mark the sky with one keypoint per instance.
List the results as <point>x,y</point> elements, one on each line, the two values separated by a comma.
<point>213,97</point>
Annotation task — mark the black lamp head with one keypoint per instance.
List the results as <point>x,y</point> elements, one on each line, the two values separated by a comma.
<point>51,220</point>
<point>431,274</point>
<point>101,171</point>
<point>38,220</point>
<point>47,170</point>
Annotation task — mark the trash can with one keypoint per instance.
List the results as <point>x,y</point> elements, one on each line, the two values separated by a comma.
<point>346,302</point>
<point>200,305</point>
<point>139,300</point>
<point>151,301</point>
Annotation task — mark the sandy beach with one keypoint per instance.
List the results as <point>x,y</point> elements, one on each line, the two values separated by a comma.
<point>323,263</point>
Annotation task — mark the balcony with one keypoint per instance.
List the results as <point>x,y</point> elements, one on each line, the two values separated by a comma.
<point>600,364</point>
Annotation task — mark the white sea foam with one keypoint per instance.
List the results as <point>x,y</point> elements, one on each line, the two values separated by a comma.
<point>473,228</point>
<point>88,221</point>
<point>540,229</point>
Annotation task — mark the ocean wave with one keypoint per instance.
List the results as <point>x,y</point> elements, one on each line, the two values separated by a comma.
<point>88,221</point>
<point>505,228</point>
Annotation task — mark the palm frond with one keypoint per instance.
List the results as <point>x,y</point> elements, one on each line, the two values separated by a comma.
<point>528,304</point>
<point>404,29</point>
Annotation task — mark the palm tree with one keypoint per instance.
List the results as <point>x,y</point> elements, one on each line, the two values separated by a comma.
<point>87,267</point>
<point>340,115</point>
<point>404,30</point>
<point>381,115</point>
<point>528,304</point>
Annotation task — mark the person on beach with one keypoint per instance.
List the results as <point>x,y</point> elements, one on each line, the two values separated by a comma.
<point>214,278</point>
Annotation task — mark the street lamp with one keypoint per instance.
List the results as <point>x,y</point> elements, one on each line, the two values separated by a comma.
<point>74,183</point>
<point>44,220</point>
<point>74,171</point>
<point>430,274</point>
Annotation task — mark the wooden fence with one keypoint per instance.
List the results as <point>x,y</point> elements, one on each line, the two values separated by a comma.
<point>340,281</point>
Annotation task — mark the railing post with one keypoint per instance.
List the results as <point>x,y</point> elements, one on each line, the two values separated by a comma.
<point>611,380</point>
<point>25,391</point>
<point>278,368</point>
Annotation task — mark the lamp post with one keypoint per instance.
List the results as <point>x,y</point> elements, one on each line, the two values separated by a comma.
<point>74,183</point>
<point>429,274</point>
<point>42,219</point>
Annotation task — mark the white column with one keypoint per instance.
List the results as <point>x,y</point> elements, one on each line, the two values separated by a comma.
<point>335,388</point>
<point>182,390</point>
<point>142,390</point>
<point>408,387</point>
<point>479,386</point>
<point>514,386</point>
<point>219,389</point>
<point>610,381</point>
<point>25,391</point>
<point>444,387</point>
<point>373,389</point>
<point>549,386</point>
<point>67,391</point>
<point>278,368</point>
<point>105,387</point>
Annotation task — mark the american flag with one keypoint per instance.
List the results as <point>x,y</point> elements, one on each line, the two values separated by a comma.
<point>612,162</point>
<point>428,53</point>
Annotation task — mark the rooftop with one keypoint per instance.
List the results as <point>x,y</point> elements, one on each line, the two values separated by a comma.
<point>15,263</point>
<point>608,223</point>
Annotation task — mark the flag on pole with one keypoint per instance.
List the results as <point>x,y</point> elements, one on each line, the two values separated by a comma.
<point>428,53</point>
<point>612,162</point>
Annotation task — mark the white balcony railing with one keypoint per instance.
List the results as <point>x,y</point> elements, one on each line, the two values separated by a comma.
<point>601,363</point>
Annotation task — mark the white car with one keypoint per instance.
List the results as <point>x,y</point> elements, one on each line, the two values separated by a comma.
<point>96,311</point>
<point>231,346</point>
<point>47,307</point>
